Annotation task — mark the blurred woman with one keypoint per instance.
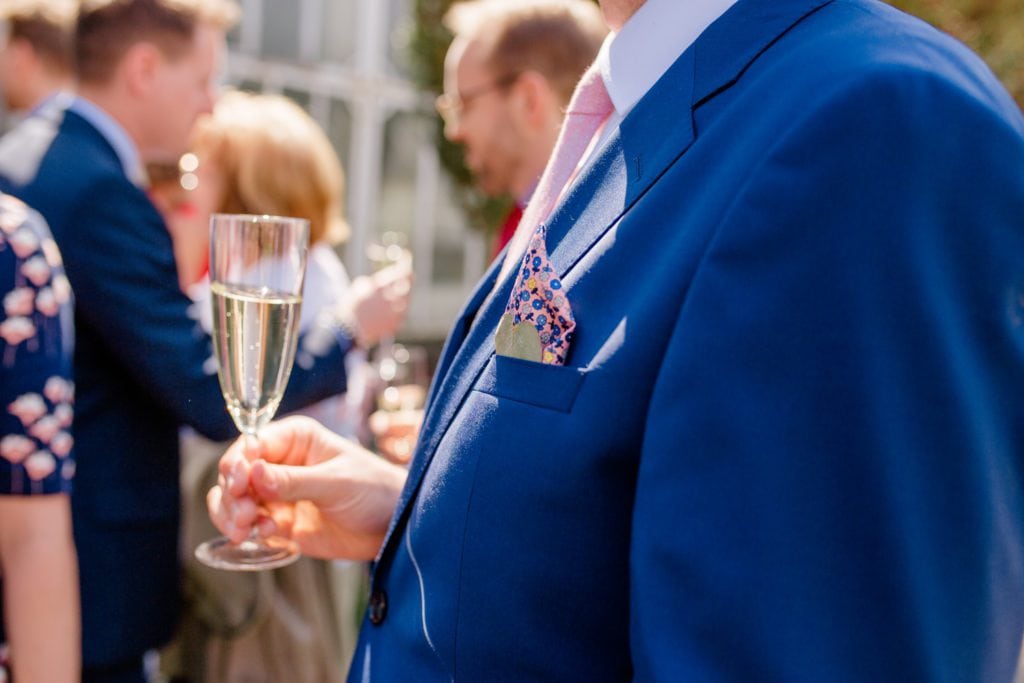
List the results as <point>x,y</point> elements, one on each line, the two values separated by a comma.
<point>38,566</point>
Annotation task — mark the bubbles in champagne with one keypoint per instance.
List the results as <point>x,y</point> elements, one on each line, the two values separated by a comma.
<point>254,332</point>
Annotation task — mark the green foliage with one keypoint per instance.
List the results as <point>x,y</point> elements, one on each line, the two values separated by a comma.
<point>993,28</point>
<point>429,43</point>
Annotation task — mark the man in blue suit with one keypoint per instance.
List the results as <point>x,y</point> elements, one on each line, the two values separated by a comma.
<point>146,70</point>
<point>786,441</point>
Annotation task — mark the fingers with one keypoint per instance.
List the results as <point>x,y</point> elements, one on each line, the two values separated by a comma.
<point>399,269</point>
<point>244,495</point>
<point>233,517</point>
<point>286,483</point>
<point>396,281</point>
<point>277,519</point>
<point>230,504</point>
<point>380,301</point>
<point>234,467</point>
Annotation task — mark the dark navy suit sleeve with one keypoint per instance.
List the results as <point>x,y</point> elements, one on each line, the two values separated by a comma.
<point>120,260</point>
<point>832,459</point>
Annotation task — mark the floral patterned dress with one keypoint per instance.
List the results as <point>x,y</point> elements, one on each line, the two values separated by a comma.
<point>36,392</point>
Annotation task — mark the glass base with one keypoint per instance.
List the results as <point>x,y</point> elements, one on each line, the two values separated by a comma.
<point>254,554</point>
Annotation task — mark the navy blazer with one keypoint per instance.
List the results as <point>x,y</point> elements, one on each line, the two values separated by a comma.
<point>787,443</point>
<point>139,373</point>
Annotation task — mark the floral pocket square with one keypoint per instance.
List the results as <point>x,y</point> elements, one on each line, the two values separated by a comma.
<point>538,321</point>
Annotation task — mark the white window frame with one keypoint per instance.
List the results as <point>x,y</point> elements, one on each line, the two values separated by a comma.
<point>373,94</point>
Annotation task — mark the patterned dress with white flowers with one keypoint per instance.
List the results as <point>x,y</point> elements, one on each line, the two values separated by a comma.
<point>36,393</point>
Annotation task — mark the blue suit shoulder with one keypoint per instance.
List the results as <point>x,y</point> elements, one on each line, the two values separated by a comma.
<point>873,43</point>
<point>54,161</point>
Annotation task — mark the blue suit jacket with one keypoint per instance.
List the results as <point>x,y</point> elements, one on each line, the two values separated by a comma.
<point>139,376</point>
<point>787,444</point>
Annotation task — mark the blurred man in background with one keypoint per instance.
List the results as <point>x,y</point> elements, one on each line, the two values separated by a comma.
<point>36,54</point>
<point>508,76</point>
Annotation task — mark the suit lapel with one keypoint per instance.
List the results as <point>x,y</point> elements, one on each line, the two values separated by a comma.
<point>468,347</point>
<point>646,143</point>
<point>652,137</point>
<point>463,324</point>
<point>731,44</point>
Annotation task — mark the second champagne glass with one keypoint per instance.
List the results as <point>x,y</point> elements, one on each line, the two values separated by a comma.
<point>257,266</point>
<point>404,380</point>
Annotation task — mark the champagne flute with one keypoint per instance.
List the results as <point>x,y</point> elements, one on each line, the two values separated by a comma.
<point>388,251</point>
<point>257,265</point>
<point>404,379</point>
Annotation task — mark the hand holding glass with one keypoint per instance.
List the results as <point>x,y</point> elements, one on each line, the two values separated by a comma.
<point>257,265</point>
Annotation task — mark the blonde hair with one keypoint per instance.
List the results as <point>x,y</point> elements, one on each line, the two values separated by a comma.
<point>107,29</point>
<point>276,160</point>
<point>558,39</point>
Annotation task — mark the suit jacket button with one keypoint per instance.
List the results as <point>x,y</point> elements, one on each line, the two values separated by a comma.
<point>378,607</point>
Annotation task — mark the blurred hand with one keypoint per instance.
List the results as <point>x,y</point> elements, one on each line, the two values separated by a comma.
<point>302,481</point>
<point>379,301</point>
<point>396,432</point>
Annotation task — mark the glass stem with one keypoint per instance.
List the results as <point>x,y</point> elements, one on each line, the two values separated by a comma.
<point>252,443</point>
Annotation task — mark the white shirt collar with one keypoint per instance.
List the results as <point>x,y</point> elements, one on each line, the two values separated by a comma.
<point>114,133</point>
<point>632,60</point>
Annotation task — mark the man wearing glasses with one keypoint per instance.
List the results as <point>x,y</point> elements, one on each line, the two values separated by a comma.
<point>507,80</point>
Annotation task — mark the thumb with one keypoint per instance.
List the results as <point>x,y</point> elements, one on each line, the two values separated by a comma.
<point>290,483</point>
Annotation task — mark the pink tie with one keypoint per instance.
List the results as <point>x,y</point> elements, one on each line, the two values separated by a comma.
<point>538,322</point>
<point>588,109</point>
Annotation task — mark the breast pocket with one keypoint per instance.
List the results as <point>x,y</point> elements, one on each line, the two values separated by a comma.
<point>553,387</point>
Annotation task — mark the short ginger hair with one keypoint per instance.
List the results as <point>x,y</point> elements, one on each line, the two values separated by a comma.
<point>557,38</point>
<point>107,29</point>
<point>275,159</point>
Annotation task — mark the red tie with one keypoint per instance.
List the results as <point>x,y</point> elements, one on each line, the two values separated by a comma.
<point>588,110</point>
<point>507,229</point>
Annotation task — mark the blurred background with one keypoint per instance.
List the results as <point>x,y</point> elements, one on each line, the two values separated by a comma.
<point>368,71</point>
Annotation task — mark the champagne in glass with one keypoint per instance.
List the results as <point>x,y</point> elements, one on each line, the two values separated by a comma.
<point>257,265</point>
<point>254,332</point>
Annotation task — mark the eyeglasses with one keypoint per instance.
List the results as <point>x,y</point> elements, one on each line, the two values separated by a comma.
<point>451,106</point>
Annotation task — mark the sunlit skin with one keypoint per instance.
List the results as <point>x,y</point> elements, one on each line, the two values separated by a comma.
<point>488,127</point>
<point>617,12</point>
<point>183,89</point>
<point>37,559</point>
